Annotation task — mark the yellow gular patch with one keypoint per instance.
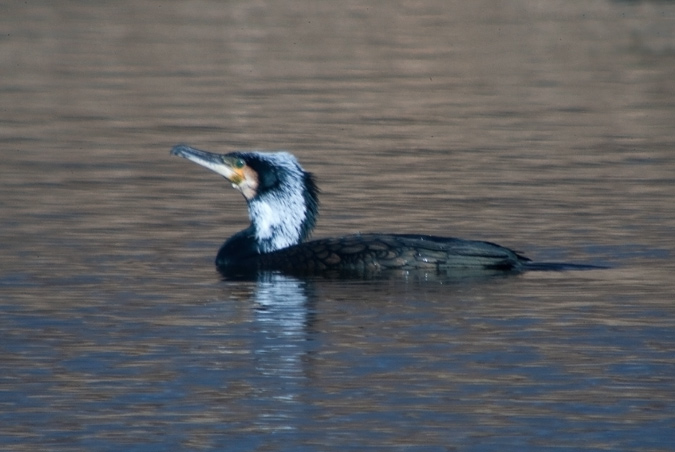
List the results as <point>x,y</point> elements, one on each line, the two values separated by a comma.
<point>247,182</point>
<point>237,176</point>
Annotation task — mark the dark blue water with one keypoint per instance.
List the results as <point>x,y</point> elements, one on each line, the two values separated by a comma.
<point>305,365</point>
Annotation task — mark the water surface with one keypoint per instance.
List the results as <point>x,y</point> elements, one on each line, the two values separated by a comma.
<point>544,126</point>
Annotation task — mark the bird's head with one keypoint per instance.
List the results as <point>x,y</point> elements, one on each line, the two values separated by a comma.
<point>282,197</point>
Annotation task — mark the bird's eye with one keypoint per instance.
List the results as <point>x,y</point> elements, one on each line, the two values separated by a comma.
<point>239,163</point>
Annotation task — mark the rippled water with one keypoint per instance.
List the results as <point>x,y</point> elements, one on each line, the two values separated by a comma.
<point>543,126</point>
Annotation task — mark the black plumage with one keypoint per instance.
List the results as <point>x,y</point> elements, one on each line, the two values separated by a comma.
<point>283,207</point>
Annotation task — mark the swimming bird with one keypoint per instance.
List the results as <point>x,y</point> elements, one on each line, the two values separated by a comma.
<point>283,206</point>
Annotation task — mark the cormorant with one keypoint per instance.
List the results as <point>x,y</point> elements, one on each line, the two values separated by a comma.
<point>283,206</point>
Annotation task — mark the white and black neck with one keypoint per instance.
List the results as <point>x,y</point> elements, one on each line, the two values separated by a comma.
<point>285,205</point>
<point>282,200</point>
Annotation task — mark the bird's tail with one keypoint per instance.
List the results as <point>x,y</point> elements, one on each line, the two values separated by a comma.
<point>559,266</point>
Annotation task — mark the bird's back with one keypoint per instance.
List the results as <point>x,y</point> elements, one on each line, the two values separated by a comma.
<point>370,253</point>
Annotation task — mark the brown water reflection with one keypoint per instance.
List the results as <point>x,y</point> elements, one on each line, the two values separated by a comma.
<point>544,126</point>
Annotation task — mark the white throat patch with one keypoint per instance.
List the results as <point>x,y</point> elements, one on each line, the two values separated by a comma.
<point>278,216</point>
